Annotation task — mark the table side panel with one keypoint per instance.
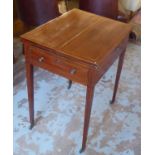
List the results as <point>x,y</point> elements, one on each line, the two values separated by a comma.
<point>110,59</point>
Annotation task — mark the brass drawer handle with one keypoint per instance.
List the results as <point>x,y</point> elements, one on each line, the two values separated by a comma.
<point>41,59</point>
<point>73,71</point>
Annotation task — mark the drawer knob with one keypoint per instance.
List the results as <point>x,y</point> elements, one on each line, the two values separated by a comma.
<point>41,59</point>
<point>72,71</point>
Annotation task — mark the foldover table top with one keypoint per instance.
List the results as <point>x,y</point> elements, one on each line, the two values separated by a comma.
<point>80,35</point>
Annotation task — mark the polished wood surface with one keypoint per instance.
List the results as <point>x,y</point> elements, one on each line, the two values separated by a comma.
<point>79,46</point>
<point>80,35</point>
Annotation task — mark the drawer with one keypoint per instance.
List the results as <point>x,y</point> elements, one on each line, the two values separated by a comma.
<point>59,65</point>
<point>41,56</point>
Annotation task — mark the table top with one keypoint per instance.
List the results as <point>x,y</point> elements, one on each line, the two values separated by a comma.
<point>80,35</point>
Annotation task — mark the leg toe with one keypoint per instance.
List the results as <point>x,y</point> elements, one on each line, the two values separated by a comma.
<point>31,126</point>
<point>81,150</point>
<point>111,102</point>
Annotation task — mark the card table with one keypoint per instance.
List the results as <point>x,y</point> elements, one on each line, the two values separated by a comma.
<point>79,46</point>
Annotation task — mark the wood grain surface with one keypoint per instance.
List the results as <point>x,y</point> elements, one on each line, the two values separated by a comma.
<point>81,35</point>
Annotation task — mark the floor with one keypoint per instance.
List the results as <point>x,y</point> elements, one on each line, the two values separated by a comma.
<point>114,129</point>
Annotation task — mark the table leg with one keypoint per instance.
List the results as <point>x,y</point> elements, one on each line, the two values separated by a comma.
<point>69,84</point>
<point>89,99</point>
<point>29,76</point>
<point>119,69</point>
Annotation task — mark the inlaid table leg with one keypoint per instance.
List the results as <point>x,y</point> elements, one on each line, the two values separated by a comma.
<point>29,76</point>
<point>89,99</point>
<point>119,69</point>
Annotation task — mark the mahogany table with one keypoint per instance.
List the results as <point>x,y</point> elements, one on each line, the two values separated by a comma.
<point>80,46</point>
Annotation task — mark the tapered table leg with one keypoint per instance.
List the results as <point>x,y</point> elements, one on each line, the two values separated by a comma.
<point>119,69</point>
<point>89,99</point>
<point>29,76</point>
<point>69,84</point>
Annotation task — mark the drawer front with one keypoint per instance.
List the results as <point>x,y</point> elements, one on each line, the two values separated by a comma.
<point>59,65</point>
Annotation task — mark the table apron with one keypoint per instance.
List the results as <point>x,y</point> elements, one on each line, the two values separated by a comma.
<point>80,77</point>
